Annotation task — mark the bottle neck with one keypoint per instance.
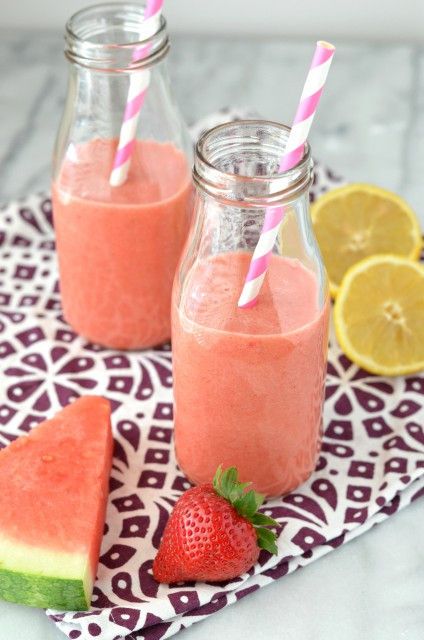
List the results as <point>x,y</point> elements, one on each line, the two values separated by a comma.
<point>115,38</point>
<point>237,164</point>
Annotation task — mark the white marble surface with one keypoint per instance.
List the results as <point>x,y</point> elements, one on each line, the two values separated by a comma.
<point>370,127</point>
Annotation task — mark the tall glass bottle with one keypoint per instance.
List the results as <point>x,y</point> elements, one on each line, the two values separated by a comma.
<point>249,383</point>
<point>118,246</point>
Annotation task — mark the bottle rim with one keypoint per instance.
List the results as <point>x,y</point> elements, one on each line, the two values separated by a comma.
<point>235,189</point>
<point>141,44</point>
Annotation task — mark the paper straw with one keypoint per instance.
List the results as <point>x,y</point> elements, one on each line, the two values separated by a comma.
<point>293,152</point>
<point>139,83</point>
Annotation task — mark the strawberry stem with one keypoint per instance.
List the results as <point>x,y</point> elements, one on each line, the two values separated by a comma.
<point>246,503</point>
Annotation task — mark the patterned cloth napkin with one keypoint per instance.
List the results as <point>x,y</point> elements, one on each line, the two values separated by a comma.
<point>372,461</point>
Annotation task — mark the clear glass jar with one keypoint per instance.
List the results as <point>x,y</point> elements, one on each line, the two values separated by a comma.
<point>249,383</point>
<point>118,246</point>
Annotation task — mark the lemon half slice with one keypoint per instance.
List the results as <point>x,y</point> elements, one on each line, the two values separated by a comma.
<point>379,315</point>
<point>361,220</point>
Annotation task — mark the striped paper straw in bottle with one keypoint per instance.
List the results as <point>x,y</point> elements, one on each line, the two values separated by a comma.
<point>293,152</point>
<point>139,83</point>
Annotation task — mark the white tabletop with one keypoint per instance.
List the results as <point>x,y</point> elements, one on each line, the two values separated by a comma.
<point>369,128</point>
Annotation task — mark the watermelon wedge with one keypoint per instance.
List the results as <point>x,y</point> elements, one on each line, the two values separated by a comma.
<point>53,494</point>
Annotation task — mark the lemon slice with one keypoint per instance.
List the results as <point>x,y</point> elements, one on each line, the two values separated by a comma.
<point>360,220</point>
<point>379,315</point>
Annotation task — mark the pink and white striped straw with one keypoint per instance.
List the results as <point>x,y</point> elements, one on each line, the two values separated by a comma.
<point>139,83</point>
<point>293,152</point>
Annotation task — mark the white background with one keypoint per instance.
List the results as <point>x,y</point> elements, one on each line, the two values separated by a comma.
<point>386,20</point>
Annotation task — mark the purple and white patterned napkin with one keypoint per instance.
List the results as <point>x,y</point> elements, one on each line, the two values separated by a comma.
<point>371,465</point>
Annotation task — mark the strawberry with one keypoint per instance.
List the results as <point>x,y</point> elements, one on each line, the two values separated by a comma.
<point>214,532</point>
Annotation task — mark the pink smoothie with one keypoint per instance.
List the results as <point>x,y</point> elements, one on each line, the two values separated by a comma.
<point>118,246</point>
<point>248,383</point>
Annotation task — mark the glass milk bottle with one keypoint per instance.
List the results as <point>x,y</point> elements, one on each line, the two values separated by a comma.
<point>119,234</point>
<point>249,383</point>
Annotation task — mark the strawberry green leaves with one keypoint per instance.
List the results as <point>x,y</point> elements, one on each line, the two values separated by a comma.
<point>266,540</point>
<point>246,503</point>
<point>261,520</point>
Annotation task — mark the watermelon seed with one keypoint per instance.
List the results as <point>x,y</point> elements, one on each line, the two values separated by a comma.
<point>47,458</point>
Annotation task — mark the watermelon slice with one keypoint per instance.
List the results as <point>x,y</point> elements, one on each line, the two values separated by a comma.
<point>53,494</point>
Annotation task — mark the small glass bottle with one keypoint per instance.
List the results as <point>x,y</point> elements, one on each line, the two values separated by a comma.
<point>118,246</point>
<point>249,383</point>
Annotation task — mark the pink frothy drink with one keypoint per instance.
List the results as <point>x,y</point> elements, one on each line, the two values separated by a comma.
<point>249,383</point>
<point>118,247</point>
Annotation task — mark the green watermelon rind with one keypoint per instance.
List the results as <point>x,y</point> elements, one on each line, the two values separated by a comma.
<point>43,591</point>
<point>41,577</point>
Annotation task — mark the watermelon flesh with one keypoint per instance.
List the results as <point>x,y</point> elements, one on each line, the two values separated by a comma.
<point>53,495</point>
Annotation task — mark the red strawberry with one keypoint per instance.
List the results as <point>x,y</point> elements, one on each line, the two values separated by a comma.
<point>214,532</point>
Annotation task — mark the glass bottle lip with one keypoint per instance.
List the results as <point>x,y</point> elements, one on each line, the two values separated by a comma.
<point>114,37</point>
<point>238,190</point>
